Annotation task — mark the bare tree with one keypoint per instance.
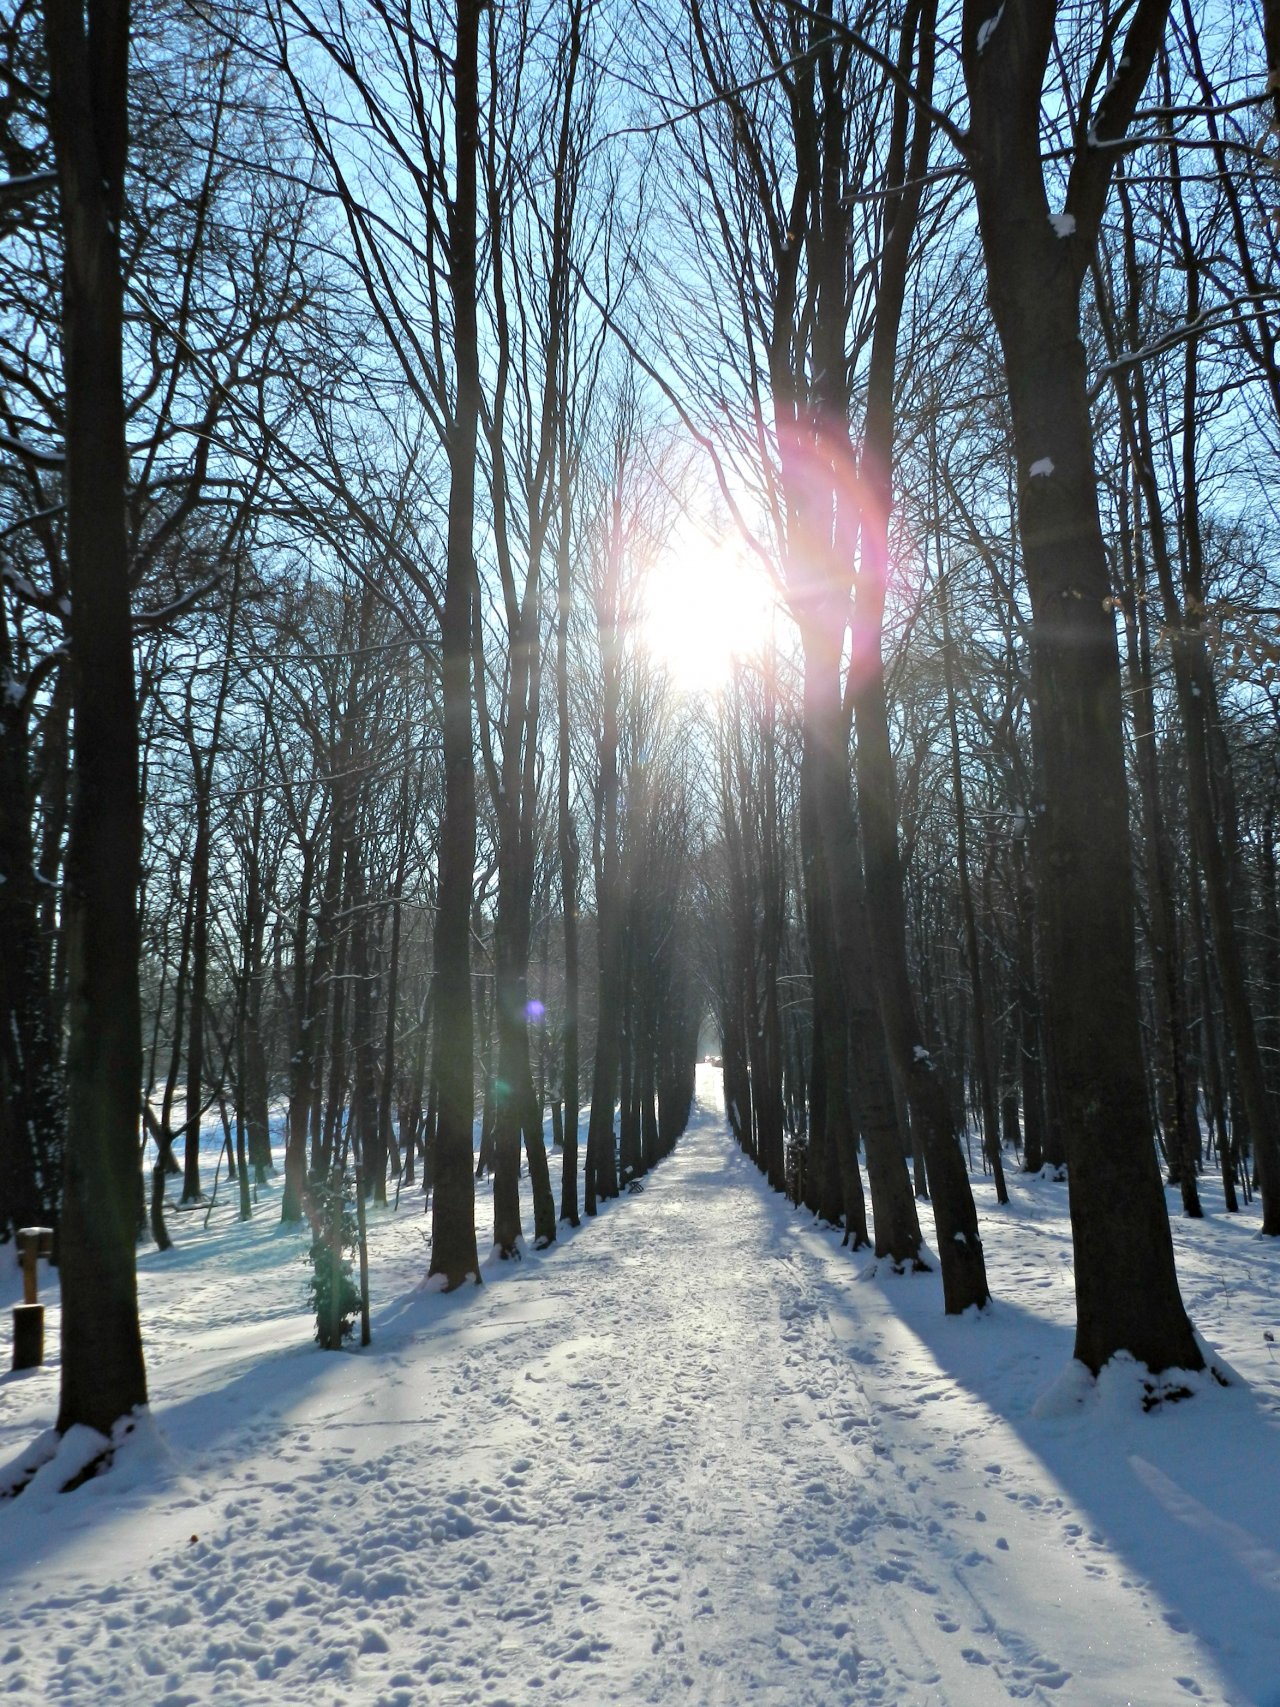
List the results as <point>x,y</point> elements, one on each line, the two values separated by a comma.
<point>103,1377</point>
<point>1036,257</point>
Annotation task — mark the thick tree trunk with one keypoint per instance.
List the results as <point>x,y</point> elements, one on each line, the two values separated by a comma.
<point>1127,1296</point>
<point>1126,1289</point>
<point>103,1376</point>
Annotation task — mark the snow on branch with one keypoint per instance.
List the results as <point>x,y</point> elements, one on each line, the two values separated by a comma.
<point>52,459</point>
<point>988,29</point>
<point>1208,321</point>
<point>147,620</point>
<point>25,187</point>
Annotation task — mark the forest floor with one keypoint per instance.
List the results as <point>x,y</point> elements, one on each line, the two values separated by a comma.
<point>694,1453</point>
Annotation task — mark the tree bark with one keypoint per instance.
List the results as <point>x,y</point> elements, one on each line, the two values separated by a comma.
<point>32,1093</point>
<point>453,1222</point>
<point>103,1374</point>
<point>1127,1296</point>
<point>826,806</point>
<point>981,1034</point>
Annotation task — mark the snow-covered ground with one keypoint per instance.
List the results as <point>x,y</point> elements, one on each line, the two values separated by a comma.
<point>694,1453</point>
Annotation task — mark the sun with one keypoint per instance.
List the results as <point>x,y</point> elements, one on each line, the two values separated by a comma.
<point>708,606</point>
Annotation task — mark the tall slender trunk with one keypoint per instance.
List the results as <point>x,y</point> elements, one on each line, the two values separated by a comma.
<point>386,1093</point>
<point>567,844</point>
<point>32,1093</point>
<point>1228,1157</point>
<point>1032,1079</point>
<point>202,771</point>
<point>253,1087</point>
<point>1170,1066</point>
<point>964,1276</point>
<point>511,1050</point>
<point>628,1109</point>
<point>601,1161</point>
<point>453,1224</point>
<point>824,784</point>
<point>198,985</point>
<point>838,1193</point>
<point>981,1034</point>
<point>300,1049</point>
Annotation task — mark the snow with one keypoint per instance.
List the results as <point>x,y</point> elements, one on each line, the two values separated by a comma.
<point>1042,469</point>
<point>695,1452</point>
<point>988,29</point>
<point>1063,223</point>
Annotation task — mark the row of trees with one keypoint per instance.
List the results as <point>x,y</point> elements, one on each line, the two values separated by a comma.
<point>377,496</point>
<point>896,474</point>
<point>408,305</point>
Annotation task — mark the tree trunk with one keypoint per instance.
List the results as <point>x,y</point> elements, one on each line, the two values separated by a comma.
<point>826,808</point>
<point>191,1192</point>
<point>981,1036</point>
<point>964,1275</point>
<point>1166,969</point>
<point>453,1224</point>
<point>32,1094</point>
<point>602,1165</point>
<point>103,1375</point>
<point>1127,1296</point>
<point>1029,1062</point>
<point>567,844</point>
<point>839,1195</point>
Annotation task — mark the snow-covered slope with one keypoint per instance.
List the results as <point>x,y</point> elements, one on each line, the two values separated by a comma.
<point>694,1453</point>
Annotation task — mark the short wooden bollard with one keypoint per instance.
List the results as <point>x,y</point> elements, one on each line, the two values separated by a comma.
<point>28,1317</point>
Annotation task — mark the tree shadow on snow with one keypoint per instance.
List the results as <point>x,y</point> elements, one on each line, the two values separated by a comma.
<point>1186,1495</point>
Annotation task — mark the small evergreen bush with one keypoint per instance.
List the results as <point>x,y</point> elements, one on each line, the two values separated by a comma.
<point>333,1292</point>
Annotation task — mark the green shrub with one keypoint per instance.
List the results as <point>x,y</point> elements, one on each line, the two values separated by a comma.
<point>333,1292</point>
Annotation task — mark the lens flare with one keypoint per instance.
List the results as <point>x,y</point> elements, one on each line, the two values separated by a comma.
<point>708,605</point>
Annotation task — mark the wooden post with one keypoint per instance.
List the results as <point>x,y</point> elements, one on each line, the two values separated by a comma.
<point>28,1317</point>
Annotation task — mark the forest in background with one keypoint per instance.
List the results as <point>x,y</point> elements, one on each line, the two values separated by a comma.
<point>337,768</point>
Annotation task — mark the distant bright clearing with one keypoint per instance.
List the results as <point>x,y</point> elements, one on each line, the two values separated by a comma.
<point>708,606</point>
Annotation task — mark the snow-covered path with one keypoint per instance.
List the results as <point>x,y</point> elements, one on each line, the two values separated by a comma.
<point>694,1454</point>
